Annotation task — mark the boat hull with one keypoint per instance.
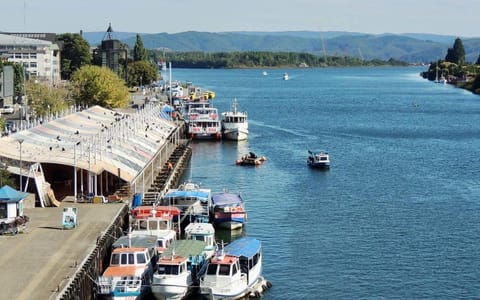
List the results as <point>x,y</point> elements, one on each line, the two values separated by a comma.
<point>318,165</point>
<point>235,134</point>
<point>169,291</point>
<point>229,221</point>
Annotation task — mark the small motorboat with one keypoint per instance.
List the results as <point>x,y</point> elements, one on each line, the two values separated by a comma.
<point>319,159</point>
<point>251,159</point>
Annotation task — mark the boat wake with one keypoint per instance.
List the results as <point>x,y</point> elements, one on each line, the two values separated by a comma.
<point>281,129</point>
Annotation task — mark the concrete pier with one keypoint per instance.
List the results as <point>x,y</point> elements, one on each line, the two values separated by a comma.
<point>38,263</point>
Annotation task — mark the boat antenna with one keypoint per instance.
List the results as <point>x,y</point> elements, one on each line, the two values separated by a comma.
<point>323,48</point>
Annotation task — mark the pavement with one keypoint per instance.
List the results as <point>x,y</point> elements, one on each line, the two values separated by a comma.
<point>38,262</point>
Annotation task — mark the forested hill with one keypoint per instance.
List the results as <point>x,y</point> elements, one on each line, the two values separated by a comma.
<point>414,48</point>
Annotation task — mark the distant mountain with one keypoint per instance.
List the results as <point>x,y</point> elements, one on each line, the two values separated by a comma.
<point>410,47</point>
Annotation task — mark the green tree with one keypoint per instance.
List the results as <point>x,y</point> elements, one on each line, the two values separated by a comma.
<point>139,52</point>
<point>476,85</point>
<point>5,177</point>
<point>141,73</point>
<point>94,85</point>
<point>75,53</point>
<point>457,53</point>
<point>44,99</point>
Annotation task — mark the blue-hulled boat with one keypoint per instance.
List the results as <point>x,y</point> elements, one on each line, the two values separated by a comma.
<point>228,210</point>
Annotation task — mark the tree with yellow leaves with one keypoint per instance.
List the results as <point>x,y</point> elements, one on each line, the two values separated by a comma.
<point>94,85</point>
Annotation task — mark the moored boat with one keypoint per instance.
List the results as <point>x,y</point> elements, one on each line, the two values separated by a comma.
<point>178,269</point>
<point>158,223</point>
<point>129,274</point>
<point>204,123</point>
<point>235,271</point>
<point>228,210</point>
<point>285,76</point>
<point>191,199</point>
<point>202,231</point>
<point>234,124</point>
<point>320,159</point>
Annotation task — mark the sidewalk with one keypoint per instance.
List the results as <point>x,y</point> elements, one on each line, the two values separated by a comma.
<point>40,261</point>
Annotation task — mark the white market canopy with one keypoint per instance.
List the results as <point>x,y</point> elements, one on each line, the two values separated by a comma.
<point>95,139</point>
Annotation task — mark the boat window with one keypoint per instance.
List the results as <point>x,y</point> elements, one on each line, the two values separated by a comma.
<point>115,259</point>
<point>167,270</point>
<point>123,259</point>
<point>141,258</point>
<point>160,243</point>
<point>234,269</point>
<point>212,269</point>
<point>131,259</point>
<point>224,270</point>
<point>198,238</point>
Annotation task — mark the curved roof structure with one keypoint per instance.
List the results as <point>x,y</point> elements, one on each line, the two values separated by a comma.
<point>95,139</point>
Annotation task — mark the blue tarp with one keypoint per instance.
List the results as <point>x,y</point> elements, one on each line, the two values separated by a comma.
<point>226,199</point>
<point>202,196</point>
<point>167,108</point>
<point>9,194</point>
<point>245,246</point>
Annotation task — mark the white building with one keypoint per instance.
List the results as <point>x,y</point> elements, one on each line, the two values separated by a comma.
<point>40,58</point>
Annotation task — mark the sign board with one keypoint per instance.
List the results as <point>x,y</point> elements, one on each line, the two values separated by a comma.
<point>69,217</point>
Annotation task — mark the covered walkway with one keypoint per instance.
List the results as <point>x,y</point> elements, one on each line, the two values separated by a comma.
<point>95,151</point>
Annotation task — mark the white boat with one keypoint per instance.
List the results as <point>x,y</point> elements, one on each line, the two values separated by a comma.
<point>204,232</point>
<point>234,124</point>
<point>130,272</point>
<point>320,159</point>
<point>204,123</point>
<point>178,269</point>
<point>235,271</point>
<point>285,76</point>
<point>265,73</point>
<point>190,199</point>
<point>158,223</point>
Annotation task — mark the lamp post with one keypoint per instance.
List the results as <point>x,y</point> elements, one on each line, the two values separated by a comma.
<point>20,141</point>
<point>75,169</point>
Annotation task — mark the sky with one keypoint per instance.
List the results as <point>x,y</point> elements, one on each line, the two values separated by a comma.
<point>446,17</point>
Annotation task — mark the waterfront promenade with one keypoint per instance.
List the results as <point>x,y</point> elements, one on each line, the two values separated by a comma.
<point>38,263</point>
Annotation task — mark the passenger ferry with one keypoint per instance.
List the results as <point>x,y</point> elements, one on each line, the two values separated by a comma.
<point>204,123</point>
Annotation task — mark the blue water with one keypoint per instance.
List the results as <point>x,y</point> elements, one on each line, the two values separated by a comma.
<point>397,214</point>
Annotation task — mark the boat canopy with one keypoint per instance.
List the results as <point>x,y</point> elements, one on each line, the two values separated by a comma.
<point>185,248</point>
<point>246,246</point>
<point>226,199</point>
<point>203,196</point>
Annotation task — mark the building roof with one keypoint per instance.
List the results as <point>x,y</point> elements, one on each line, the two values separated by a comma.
<point>9,194</point>
<point>95,139</point>
<point>7,39</point>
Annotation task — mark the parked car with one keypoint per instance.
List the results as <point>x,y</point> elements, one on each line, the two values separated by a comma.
<point>7,109</point>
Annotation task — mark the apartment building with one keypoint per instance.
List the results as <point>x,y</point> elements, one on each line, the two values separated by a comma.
<point>41,58</point>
